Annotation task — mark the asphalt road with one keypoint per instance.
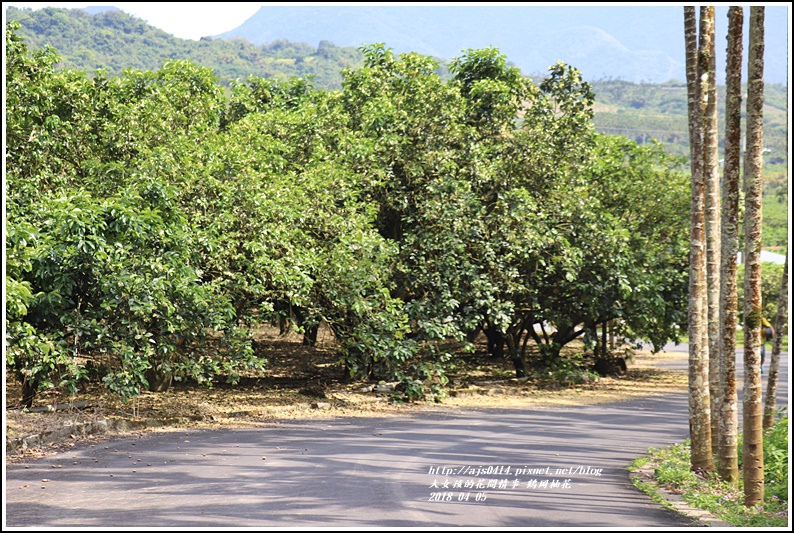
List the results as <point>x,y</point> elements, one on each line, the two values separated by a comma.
<point>782,395</point>
<point>561,467</point>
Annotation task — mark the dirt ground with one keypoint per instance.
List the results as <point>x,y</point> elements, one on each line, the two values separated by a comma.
<point>303,383</point>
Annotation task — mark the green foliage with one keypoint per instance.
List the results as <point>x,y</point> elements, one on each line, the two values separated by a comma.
<point>570,370</point>
<point>119,277</point>
<point>644,189</point>
<point>262,94</point>
<point>776,464</point>
<point>114,41</point>
<point>771,278</point>
<point>672,470</point>
<point>774,233</point>
<point>494,91</point>
<point>154,218</point>
<point>102,264</point>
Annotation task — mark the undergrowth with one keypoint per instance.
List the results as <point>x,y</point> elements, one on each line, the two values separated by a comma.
<point>672,470</point>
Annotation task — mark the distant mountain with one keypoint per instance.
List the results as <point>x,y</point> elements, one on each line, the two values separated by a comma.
<point>108,38</point>
<point>114,41</point>
<point>631,43</point>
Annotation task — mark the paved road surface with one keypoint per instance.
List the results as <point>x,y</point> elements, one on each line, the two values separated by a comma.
<point>782,396</point>
<point>381,472</point>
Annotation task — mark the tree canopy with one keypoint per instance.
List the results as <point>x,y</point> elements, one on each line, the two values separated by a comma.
<point>154,219</point>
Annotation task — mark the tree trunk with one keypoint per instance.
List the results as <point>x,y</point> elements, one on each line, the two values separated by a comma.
<point>310,335</point>
<point>753,449</point>
<point>612,334</point>
<point>774,364</point>
<point>604,348</point>
<point>496,342</point>
<point>29,389</point>
<point>159,380</point>
<point>708,66</point>
<point>513,339</point>
<point>699,408</point>
<point>728,460</point>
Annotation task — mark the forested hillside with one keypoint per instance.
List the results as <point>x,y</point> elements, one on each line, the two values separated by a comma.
<point>114,40</point>
<point>646,110</point>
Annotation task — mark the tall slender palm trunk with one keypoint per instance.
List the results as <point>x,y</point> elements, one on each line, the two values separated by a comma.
<point>728,460</point>
<point>753,449</point>
<point>708,67</point>
<point>774,363</point>
<point>699,402</point>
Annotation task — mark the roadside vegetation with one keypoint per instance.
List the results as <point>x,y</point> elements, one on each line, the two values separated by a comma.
<point>672,471</point>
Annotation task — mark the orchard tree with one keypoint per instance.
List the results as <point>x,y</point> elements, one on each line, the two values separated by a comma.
<point>531,141</point>
<point>408,148</point>
<point>105,273</point>
<point>512,233</point>
<point>579,241</point>
<point>49,118</point>
<point>296,241</point>
<point>644,191</point>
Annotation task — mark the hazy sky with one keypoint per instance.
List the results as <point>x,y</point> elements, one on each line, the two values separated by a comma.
<point>191,21</point>
<point>202,19</point>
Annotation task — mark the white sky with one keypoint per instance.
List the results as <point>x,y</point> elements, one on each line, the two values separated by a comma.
<point>200,19</point>
<point>186,21</point>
